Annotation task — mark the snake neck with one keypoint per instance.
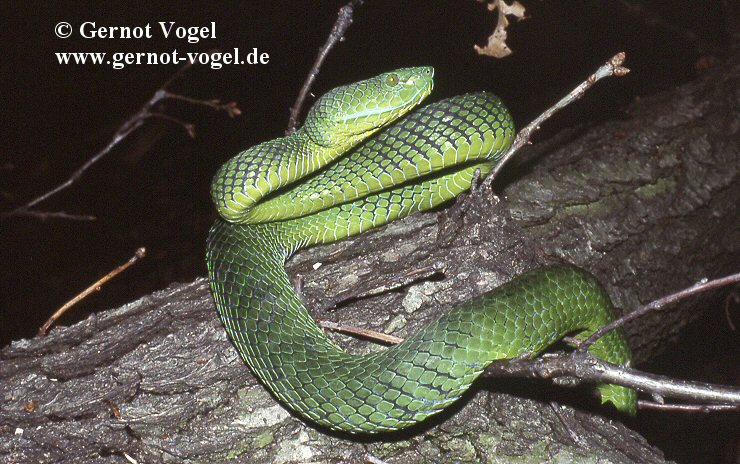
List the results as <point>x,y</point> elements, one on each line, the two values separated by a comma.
<point>444,136</point>
<point>255,173</point>
<point>338,120</point>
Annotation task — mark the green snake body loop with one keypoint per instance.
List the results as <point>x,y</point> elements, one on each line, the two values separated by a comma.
<point>422,160</point>
<point>336,122</point>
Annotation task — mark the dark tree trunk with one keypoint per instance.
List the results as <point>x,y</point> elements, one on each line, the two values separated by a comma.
<point>648,204</point>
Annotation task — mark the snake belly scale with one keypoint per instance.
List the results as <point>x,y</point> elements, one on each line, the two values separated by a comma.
<point>364,158</point>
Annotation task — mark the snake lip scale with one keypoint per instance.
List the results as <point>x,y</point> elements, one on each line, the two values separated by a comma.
<point>365,157</point>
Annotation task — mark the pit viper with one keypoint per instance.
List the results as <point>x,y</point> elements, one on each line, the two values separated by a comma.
<point>364,157</point>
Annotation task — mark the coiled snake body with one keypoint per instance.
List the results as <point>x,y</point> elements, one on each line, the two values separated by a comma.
<point>414,164</point>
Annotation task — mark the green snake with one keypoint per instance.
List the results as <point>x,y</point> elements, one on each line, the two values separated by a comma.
<point>419,160</point>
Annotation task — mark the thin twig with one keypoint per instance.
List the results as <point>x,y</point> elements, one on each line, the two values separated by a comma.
<point>564,422</point>
<point>731,298</point>
<point>699,408</point>
<point>613,67</point>
<point>231,108</point>
<point>180,72</point>
<point>394,282</point>
<point>44,215</point>
<point>130,125</point>
<point>344,20</point>
<point>140,253</point>
<point>376,337</point>
<point>702,286</point>
<point>188,126</point>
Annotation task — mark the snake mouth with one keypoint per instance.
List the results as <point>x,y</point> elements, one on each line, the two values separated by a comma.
<point>415,88</point>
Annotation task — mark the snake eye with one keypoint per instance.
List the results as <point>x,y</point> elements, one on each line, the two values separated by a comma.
<point>392,79</point>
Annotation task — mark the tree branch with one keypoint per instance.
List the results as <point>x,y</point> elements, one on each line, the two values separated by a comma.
<point>613,67</point>
<point>584,366</point>
<point>344,20</point>
<point>702,286</point>
<point>130,125</point>
<point>44,215</point>
<point>687,408</point>
<point>140,253</point>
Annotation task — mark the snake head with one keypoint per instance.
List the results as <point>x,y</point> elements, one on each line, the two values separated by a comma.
<point>346,115</point>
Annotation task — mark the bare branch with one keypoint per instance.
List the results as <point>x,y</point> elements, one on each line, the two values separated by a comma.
<point>389,283</point>
<point>188,126</point>
<point>140,253</point>
<point>344,20</point>
<point>731,298</point>
<point>130,125</point>
<point>702,286</point>
<point>231,108</point>
<point>372,335</point>
<point>690,408</point>
<point>584,366</point>
<point>613,67</point>
<point>44,215</point>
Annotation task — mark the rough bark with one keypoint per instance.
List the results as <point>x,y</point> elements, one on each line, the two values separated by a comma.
<point>648,203</point>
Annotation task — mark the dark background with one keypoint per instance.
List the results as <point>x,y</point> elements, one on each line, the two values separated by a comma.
<point>152,190</point>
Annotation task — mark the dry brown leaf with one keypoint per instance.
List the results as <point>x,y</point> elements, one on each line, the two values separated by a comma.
<point>496,46</point>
